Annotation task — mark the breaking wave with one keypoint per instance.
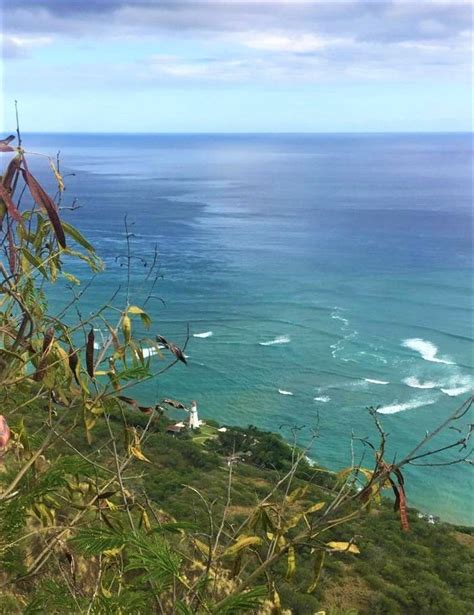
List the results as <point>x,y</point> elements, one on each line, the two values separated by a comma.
<point>414,383</point>
<point>204,334</point>
<point>373,381</point>
<point>282,339</point>
<point>427,350</point>
<point>409,405</point>
<point>323,399</point>
<point>283,392</point>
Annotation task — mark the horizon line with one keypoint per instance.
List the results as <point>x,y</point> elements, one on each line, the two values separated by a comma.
<point>267,132</point>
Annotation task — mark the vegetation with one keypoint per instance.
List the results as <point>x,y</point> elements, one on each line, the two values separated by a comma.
<point>101,511</point>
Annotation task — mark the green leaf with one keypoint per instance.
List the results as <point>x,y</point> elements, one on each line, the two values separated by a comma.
<point>318,566</point>
<point>241,603</point>
<point>77,236</point>
<point>291,568</point>
<point>94,540</point>
<point>33,260</point>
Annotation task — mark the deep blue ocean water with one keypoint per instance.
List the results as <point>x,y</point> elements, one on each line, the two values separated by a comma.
<point>337,268</point>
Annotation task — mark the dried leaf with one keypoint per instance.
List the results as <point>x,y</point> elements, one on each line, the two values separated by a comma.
<point>134,309</point>
<point>343,546</point>
<point>4,147</point>
<point>4,433</point>
<point>46,202</point>
<point>12,168</point>
<point>12,251</point>
<point>242,543</point>
<point>126,328</point>
<point>175,404</point>
<point>145,409</point>
<point>73,361</point>
<point>12,209</point>
<point>315,508</point>
<point>178,353</point>
<point>90,353</point>
<point>128,400</point>
<point>58,176</point>
<point>48,340</point>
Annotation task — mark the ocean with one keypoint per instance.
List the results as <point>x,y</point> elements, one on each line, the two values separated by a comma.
<point>319,275</point>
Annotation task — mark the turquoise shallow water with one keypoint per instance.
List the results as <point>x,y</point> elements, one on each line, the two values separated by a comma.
<point>337,268</point>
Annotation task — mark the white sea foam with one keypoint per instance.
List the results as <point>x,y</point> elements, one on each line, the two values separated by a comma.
<point>414,383</point>
<point>203,335</point>
<point>336,316</point>
<point>455,391</point>
<point>150,352</point>
<point>283,392</point>
<point>427,350</point>
<point>373,381</point>
<point>282,339</point>
<point>409,405</point>
<point>323,399</point>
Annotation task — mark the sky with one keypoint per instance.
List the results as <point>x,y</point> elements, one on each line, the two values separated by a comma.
<point>233,66</point>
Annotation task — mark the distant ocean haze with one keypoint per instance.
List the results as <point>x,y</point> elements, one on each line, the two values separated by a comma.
<point>319,274</point>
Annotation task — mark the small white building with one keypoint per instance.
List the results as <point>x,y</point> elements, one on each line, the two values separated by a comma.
<point>194,422</point>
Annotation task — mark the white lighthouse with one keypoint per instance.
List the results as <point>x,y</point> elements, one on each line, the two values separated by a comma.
<point>194,421</point>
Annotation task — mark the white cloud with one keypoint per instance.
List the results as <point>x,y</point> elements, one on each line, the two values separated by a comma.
<point>16,46</point>
<point>295,43</point>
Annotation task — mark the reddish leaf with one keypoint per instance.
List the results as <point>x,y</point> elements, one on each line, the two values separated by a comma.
<point>174,404</point>
<point>90,353</point>
<point>46,202</point>
<point>4,142</point>
<point>73,363</point>
<point>402,507</point>
<point>128,400</point>
<point>145,409</point>
<point>12,168</point>
<point>178,353</point>
<point>47,345</point>
<point>11,207</point>
<point>400,504</point>
<point>12,252</point>
<point>4,433</point>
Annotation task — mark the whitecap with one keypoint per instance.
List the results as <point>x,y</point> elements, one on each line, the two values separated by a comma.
<point>409,405</point>
<point>373,381</point>
<point>414,383</point>
<point>282,339</point>
<point>283,392</point>
<point>454,392</point>
<point>427,349</point>
<point>203,335</point>
<point>150,352</point>
<point>336,316</point>
<point>323,399</point>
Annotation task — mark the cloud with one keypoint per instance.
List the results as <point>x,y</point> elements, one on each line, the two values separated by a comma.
<point>16,47</point>
<point>234,41</point>
<point>295,43</point>
<point>365,20</point>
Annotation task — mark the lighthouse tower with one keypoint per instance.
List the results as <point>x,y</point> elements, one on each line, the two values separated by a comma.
<point>194,421</point>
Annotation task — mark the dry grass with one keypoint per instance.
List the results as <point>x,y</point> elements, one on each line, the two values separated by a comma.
<point>467,540</point>
<point>348,593</point>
